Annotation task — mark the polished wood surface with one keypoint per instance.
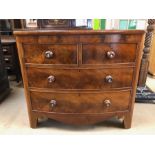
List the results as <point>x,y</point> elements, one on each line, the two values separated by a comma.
<point>91,53</point>
<point>28,32</point>
<point>80,76</point>
<point>152,56</point>
<point>146,53</point>
<point>61,54</point>
<point>87,103</point>
<point>98,53</point>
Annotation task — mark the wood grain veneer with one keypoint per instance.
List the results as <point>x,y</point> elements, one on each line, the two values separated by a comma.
<point>80,76</point>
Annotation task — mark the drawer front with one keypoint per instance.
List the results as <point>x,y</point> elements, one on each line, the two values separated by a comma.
<point>80,102</point>
<point>8,60</point>
<point>9,67</point>
<point>108,53</point>
<point>50,54</point>
<point>7,49</point>
<point>80,78</point>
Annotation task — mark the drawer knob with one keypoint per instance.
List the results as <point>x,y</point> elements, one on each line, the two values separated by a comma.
<point>6,59</point>
<point>53,103</point>
<point>107,103</point>
<point>108,79</point>
<point>110,54</point>
<point>51,79</point>
<point>4,50</point>
<point>7,67</point>
<point>49,54</point>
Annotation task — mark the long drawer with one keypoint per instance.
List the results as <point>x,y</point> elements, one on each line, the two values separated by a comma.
<point>86,102</point>
<point>106,78</point>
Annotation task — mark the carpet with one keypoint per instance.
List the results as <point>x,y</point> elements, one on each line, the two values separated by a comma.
<point>145,95</point>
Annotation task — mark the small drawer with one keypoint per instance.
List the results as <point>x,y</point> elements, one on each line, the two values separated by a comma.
<point>84,103</point>
<point>50,54</point>
<point>7,60</point>
<point>106,78</point>
<point>9,67</point>
<point>7,50</point>
<point>108,53</point>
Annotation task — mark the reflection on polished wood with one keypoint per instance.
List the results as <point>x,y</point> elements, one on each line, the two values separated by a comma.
<point>89,77</point>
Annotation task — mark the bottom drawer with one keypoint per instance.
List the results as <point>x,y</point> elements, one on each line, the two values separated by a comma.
<point>83,102</point>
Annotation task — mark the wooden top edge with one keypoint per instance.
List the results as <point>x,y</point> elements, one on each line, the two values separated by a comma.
<point>69,31</point>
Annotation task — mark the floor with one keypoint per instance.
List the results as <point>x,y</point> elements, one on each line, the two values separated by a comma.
<point>14,118</point>
<point>150,82</point>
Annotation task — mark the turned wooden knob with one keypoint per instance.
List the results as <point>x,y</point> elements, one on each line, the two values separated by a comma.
<point>108,79</point>
<point>49,54</point>
<point>53,103</point>
<point>51,79</point>
<point>107,103</point>
<point>110,54</point>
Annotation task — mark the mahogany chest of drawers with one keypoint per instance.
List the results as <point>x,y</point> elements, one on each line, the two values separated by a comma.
<point>80,77</point>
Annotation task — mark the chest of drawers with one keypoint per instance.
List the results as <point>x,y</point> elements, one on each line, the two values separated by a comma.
<point>11,60</point>
<point>4,82</point>
<point>80,77</point>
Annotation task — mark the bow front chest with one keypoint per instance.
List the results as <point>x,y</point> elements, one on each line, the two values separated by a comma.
<point>80,77</point>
